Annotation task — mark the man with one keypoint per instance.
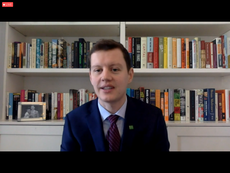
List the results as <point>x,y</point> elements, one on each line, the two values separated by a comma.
<point>140,126</point>
<point>34,113</point>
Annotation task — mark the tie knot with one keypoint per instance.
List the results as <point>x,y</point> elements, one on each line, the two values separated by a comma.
<point>113,118</point>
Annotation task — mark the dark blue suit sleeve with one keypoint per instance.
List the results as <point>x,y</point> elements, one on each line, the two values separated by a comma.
<point>162,135</point>
<point>69,143</point>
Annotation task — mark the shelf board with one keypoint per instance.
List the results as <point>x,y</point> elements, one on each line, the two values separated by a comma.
<point>67,29</point>
<point>168,123</point>
<point>65,72</point>
<point>166,29</point>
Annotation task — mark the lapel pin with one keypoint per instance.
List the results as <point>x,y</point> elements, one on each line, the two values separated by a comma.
<point>131,127</point>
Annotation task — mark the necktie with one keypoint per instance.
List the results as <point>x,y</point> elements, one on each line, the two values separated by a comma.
<point>113,136</point>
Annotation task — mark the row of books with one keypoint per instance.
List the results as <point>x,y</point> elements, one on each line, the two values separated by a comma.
<point>172,52</point>
<point>57,104</point>
<point>57,53</point>
<point>207,104</point>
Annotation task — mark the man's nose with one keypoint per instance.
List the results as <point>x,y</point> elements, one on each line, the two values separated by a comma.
<point>106,75</point>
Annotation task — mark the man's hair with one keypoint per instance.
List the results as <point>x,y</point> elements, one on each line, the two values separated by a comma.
<point>109,44</point>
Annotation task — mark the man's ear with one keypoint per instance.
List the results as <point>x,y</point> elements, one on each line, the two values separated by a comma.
<point>131,74</point>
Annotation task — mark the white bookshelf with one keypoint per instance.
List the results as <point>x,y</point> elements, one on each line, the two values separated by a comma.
<point>61,80</point>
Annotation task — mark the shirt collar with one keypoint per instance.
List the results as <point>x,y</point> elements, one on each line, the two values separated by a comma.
<point>104,113</point>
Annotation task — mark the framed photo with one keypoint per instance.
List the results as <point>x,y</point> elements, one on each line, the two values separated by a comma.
<point>31,111</point>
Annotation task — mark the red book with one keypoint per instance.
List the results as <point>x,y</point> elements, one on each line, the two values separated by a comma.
<point>22,96</point>
<point>130,44</point>
<point>58,105</point>
<point>156,52</point>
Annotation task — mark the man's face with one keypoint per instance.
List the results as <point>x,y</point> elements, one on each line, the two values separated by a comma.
<point>109,76</point>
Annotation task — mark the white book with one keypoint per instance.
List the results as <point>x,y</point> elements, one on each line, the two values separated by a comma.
<point>28,56</point>
<point>143,52</point>
<point>178,52</point>
<point>36,97</point>
<point>33,53</point>
<point>9,55</point>
<point>82,96</point>
<point>200,105</point>
<point>169,52</point>
<point>54,106</point>
<point>211,52</point>
<point>194,54</point>
<point>187,104</point>
<point>216,106</point>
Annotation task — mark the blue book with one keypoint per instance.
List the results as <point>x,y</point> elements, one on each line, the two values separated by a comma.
<point>149,52</point>
<point>209,104</point>
<point>128,92</point>
<point>54,53</point>
<point>132,93</point>
<point>10,106</point>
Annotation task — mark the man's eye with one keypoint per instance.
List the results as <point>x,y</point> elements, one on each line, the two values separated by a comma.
<point>115,69</point>
<point>97,70</point>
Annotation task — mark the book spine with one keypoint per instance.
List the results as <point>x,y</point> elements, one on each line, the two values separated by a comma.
<point>214,54</point>
<point>176,105</point>
<point>171,103</point>
<point>38,45</point>
<point>152,97</point>
<point>200,105</point>
<point>187,103</point>
<point>192,105</point>
<point>42,55</point>
<point>147,96</point>
<point>197,52</point>
<point>46,52</point>
<point>190,55</point>
<point>149,52</point>
<point>137,94</point>
<point>182,104</point>
<point>82,96</point>
<point>207,53</point>
<point>161,52</point>
<point>165,52</point>
<point>9,63</point>
<point>155,52</point>
<point>227,104</point>
<point>158,100</point>
<point>60,55</point>
<point>54,53</point>
<point>187,52</point>
<point>178,46</point>
<point>138,52</point>
<point>87,53</point>
<point>18,60</point>
<point>134,51</point>
<point>162,103</point>
<point>10,107</point>
<point>166,105</point>
<point>143,52</point>
<point>64,54</point>
<point>219,53</point>
<point>142,93</point>
<point>174,53</point>
<point>194,65</point>
<point>203,54</point>
<point>169,52</point>
<point>76,54</point>
<point>183,53</point>
<point>228,51</point>
<point>223,50</point>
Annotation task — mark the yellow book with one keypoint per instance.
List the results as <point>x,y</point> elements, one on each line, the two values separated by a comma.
<point>174,53</point>
<point>165,52</point>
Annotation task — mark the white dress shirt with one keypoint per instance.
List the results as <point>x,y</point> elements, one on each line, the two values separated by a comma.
<point>120,122</point>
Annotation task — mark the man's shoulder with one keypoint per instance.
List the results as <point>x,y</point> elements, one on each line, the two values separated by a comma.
<point>142,105</point>
<point>82,110</point>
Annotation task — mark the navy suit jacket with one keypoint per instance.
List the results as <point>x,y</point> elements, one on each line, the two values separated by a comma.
<point>83,128</point>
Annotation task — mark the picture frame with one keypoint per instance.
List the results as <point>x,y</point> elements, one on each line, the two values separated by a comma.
<point>31,111</point>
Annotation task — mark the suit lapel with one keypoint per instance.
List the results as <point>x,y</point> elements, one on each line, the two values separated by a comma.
<point>130,125</point>
<point>96,127</point>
